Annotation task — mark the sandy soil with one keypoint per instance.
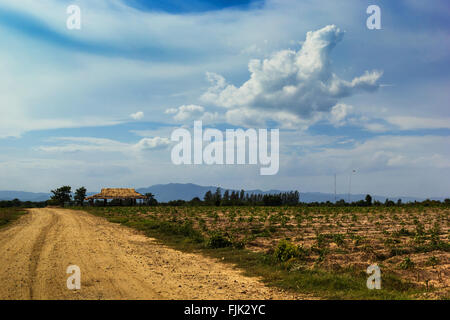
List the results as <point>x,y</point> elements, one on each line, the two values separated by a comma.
<point>116,263</point>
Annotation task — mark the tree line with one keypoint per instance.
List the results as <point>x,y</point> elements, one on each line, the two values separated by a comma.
<point>291,198</point>
<point>242,198</point>
<point>63,196</point>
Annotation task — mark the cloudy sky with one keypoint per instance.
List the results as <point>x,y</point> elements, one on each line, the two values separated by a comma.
<point>97,106</point>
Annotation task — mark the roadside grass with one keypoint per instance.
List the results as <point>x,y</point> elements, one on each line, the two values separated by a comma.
<point>316,282</point>
<point>8,215</point>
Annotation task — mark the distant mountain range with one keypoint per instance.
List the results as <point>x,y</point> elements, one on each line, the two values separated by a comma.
<point>24,196</point>
<point>187,191</point>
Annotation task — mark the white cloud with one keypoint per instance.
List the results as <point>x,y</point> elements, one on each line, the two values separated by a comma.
<point>186,112</point>
<point>252,118</point>
<point>14,125</point>
<point>192,112</point>
<point>411,123</point>
<point>171,111</point>
<point>389,123</point>
<point>151,143</point>
<point>137,116</point>
<point>90,144</point>
<point>299,82</point>
<point>357,119</point>
<point>77,144</point>
<point>375,127</point>
<point>380,154</point>
<point>339,114</point>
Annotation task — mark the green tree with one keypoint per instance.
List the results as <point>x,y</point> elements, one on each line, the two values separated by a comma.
<point>62,195</point>
<point>196,201</point>
<point>208,197</point>
<point>226,198</point>
<point>80,195</point>
<point>241,195</point>
<point>217,197</point>
<point>151,201</point>
<point>368,200</point>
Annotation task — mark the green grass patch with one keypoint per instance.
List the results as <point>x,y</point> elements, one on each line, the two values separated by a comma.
<point>8,215</point>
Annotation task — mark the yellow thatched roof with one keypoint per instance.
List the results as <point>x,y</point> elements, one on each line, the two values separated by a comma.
<point>117,193</point>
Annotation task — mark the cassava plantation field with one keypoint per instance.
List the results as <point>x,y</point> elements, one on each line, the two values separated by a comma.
<point>323,251</point>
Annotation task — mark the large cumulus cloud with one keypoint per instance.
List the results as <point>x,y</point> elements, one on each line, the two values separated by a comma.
<point>299,82</point>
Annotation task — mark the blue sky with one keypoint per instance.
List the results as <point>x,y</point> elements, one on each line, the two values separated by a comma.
<point>97,106</point>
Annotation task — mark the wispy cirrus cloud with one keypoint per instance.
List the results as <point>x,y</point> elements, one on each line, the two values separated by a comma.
<point>92,144</point>
<point>412,123</point>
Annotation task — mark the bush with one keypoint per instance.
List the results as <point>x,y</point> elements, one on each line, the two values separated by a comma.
<point>239,244</point>
<point>186,229</point>
<point>218,240</point>
<point>339,239</point>
<point>171,228</point>
<point>286,250</point>
<point>432,261</point>
<point>406,264</point>
<point>402,232</point>
<point>118,220</point>
<point>53,202</point>
<point>321,240</point>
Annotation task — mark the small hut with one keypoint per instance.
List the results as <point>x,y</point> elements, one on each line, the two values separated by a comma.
<point>117,194</point>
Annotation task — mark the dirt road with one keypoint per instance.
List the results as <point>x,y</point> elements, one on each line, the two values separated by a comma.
<point>116,263</point>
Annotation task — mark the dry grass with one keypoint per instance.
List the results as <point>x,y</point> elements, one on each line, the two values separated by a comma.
<point>117,193</point>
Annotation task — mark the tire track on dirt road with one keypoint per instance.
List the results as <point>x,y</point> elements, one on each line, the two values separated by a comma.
<point>36,253</point>
<point>116,262</point>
